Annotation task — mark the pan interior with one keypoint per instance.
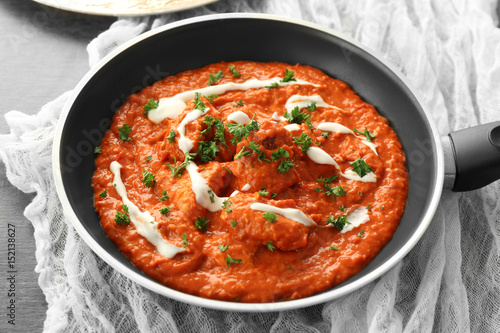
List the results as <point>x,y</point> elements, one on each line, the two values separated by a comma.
<point>201,42</point>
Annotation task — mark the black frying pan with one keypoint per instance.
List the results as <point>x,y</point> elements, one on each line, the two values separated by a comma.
<point>197,42</point>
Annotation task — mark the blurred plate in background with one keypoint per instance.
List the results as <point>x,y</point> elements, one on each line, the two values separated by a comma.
<point>124,7</point>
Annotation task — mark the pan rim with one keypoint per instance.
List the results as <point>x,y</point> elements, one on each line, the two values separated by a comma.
<point>233,306</point>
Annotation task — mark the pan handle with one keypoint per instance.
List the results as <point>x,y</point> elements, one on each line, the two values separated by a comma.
<point>472,157</point>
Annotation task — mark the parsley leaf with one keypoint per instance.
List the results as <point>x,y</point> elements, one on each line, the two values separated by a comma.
<point>369,136</point>
<point>304,141</point>
<point>121,218</point>
<point>234,72</point>
<point>150,105</point>
<point>212,79</point>
<point>280,153</point>
<point>328,180</point>
<point>207,150</point>
<point>311,107</point>
<point>234,223</point>
<point>239,103</point>
<point>124,131</point>
<point>296,116</point>
<point>361,234</point>
<point>219,132</point>
<point>211,98</point>
<point>273,85</point>
<point>270,216</point>
<point>201,223</point>
<point>211,195</point>
<point>289,76</point>
<point>198,103</point>
<point>223,247</point>
<point>171,136</point>
<point>338,191</point>
<point>148,179</point>
<point>226,204</point>
<point>270,247</point>
<point>361,167</point>
<point>164,196</point>
<point>338,222</point>
<point>97,150</point>
<point>103,194</point>
<point>334,248</point>
<point>240,131</point>
<point>285,165</point>
<point>242,153</point>
<point>184,240</point>
<point>230,261</point>
<point>263,192</point>
<point>177,170</point>
<point>165,210</point>
<point>261,156</point>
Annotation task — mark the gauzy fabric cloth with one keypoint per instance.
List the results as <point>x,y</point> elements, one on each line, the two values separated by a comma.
<point>450,281</point>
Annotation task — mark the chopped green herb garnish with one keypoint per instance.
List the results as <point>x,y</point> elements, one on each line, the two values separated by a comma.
<point>270,216</point>
<point>124,131</point>
<point>263,192</point>
<point>97,150</point>
<point>103,194</point>
<point>212,79</point>
<point>312,106</point>
<point>230,261</point>
<point>242,153</point>
<point>165,210</point>
<point>361,234</point>
<point>342,208</point>
<point>273,85</point>
<point>125,208</point>
<point>285,165</point>
<point>273,195</point>
<point>177,170</point>
<point>226,204</point>
<point>338,191</point>
<point>369,136</point>
<point>325,134</point>
<point>280,153</point>
<point>240,131</point>
<point>296,116</point>
<point>234,223</point>
<point>234,72</point>
<point>164,195</point>
<point>148,179</point>
<point>150,105</point>
<point>334,248</point>
<point>360,167</point>
<point>289,76</point>
<point>122,219</point>
<point>201,224</point>
<point>369,207</point>
<point>171,136</point>
<point>184,240</point>
<point>223,247</point>
<point>360,193</point>
<point>261,156</point>
<point>211,98</point>
<point>198,103</point>
<point>328,180</point>
<point>207,150</point>
<point>211,195</point>
<point>304,141</point>
<point>338,222</point>
<point>148,158</point>
<point>270,247</point>
<point>239,103</point>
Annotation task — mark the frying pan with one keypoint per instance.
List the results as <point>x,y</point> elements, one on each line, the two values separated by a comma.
<point>196,42</point>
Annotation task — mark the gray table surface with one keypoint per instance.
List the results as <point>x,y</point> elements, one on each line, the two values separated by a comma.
<point>42,55</point>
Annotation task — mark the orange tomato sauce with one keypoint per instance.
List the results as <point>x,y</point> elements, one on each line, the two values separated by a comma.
<point>243,254</point>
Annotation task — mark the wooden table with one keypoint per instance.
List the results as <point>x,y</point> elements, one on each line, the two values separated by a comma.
<point>42,55</point>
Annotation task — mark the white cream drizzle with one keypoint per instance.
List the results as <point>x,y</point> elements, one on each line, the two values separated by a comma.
<point>318,155</point>
<point>239,117</point>
<point>292,127</point>
<point>305,101</point>
<point>171,107</point>
<point>290,213</point>
<point>144,222</point>
<point>338,128</point>
<point>246,187</point>
<point>356,218</point>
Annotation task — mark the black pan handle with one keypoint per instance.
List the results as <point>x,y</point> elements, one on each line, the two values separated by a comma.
<point>476,155</point>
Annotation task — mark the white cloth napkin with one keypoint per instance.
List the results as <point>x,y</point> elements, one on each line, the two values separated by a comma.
<point>449,50</point>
